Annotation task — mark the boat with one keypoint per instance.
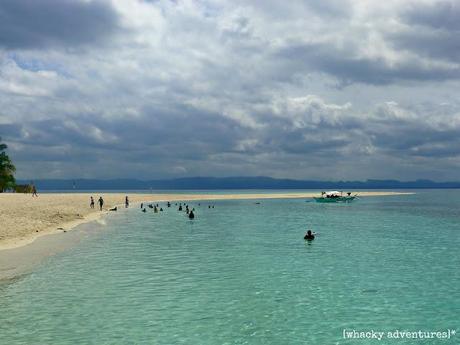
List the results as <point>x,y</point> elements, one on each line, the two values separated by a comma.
<point>335,196</point>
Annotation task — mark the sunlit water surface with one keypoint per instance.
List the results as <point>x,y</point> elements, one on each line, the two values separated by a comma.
<point>241,273</point>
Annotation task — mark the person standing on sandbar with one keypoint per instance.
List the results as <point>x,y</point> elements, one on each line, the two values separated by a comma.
<point>34,190</point>
<point>101,203</point>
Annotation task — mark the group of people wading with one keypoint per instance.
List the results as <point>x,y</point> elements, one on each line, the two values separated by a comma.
<point>309,235</point>
<point>155,207</point>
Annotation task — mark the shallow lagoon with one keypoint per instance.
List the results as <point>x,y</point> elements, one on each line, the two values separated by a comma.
<point>241,274</point>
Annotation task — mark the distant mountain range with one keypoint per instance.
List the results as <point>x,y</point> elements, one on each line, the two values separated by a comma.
<point>260,182</point>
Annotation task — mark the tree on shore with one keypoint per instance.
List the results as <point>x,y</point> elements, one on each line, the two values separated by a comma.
<point>7,169</point>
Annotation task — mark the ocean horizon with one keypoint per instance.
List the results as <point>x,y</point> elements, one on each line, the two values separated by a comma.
<point>241,273</point>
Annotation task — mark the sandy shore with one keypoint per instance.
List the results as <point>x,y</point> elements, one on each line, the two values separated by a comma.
<point>24,218</point>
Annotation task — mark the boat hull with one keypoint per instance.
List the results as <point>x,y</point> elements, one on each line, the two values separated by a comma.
<point>335,200</point>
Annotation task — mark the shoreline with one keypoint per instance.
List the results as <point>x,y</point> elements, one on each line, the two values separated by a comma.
<point>52,213</point>
<point>40,233</point>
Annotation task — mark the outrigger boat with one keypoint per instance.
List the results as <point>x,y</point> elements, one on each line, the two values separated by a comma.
<point>335,196</point>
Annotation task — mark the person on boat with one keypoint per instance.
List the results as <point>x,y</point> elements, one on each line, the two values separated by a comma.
<point>309,236</point>
<point>191,215</point>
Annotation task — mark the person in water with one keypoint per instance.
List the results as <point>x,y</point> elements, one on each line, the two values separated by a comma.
<point>101,203</point>
<point>309,236</point>
<point>91,203</point>
<point>191,215</point>
<point>126,202</point>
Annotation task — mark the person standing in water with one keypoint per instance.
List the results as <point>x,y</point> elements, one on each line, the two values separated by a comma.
<point>101,203</point>
<point>126,202</point>
<point>91,203</point>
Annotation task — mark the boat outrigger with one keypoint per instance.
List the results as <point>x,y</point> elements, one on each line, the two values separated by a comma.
<point>335,196</point>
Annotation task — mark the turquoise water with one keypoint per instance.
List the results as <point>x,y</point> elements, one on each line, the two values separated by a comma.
<point>242,274</point>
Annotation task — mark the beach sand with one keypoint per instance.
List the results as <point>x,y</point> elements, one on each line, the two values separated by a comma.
<point>23,218</point>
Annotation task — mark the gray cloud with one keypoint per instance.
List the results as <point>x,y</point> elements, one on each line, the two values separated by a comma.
<point>431,30</point>
<point>213,88</point>
<point>437,15</point>
<point>349,68</point>
<point>39,24</point>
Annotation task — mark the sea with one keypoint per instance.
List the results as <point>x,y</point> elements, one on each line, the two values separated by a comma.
<point>381,270</point>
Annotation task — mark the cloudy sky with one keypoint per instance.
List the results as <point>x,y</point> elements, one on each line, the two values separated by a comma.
<point>329,89</point>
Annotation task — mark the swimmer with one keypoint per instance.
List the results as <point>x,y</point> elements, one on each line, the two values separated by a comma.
<point>191,215</point>
<point>309,236</point>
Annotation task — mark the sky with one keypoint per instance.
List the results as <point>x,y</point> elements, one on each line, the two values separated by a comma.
<point>317,90</point>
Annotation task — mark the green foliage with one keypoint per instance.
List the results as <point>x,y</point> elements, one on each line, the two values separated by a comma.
<point>7,170</point>
<point>23,188</point>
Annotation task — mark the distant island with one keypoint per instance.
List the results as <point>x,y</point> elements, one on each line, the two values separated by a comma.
<point>210,183</point>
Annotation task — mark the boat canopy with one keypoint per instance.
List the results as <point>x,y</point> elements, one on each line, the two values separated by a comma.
<point>333,192</point>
